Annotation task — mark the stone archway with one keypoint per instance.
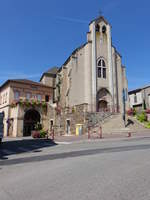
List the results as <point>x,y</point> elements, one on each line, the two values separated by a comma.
<point>31,118</point>
<point>104,100</point>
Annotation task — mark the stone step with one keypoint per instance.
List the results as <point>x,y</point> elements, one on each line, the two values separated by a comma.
<point>115,124</point>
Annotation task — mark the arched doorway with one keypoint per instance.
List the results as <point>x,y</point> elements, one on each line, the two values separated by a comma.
<point>104,100</point>
<point>102,106</point>
<point>31,118</point>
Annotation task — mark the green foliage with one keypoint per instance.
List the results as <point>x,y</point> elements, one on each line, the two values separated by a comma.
<point>33,103</point>
<point>38,126</point>
<point>147,125</point>
<point>134,112</point>
<point>44,104</point>
<point>142,117</point>
<point>43,133</point>
<point>27,103</point>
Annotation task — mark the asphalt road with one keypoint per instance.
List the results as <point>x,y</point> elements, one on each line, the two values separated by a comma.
<point>100,170</point>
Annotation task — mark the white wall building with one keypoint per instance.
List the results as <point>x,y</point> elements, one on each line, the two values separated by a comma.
<point>140,98</point>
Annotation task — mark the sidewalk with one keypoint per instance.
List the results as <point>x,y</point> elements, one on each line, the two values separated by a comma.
<point>82,138</point>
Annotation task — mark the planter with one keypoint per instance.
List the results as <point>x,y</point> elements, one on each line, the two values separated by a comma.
<point>39,134</point>
<point>35,134</point>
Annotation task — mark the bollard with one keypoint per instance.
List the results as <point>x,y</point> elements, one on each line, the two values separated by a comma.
<point>89,133</point>
<point>100,133</point>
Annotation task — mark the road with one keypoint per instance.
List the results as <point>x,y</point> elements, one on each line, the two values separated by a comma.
<point>97,170</point>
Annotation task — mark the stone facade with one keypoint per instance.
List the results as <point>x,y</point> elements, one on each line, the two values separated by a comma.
<point>17,98</point>
<point>92,79</point>
<point>66,119</point>
<point>93,68</point>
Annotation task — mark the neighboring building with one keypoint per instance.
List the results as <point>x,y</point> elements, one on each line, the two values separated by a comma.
<point>49,78</point>
<point>24,103</point>
<point>140,98</point>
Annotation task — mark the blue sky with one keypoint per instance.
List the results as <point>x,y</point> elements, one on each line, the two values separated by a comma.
<point>38,34</point>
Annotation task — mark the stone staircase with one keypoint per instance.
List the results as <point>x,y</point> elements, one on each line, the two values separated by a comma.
<point>114,124</point>
<point>96,118</point>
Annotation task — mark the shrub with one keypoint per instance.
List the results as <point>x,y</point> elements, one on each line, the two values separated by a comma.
<point>142,117</point>
<point>147,125</point>
<point>43,134</point>
<point>33,102</point>
<point>38,126</point>
<point>44,104</point>
<point>134,111</point>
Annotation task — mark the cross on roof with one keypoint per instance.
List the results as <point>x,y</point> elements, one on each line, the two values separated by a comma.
<point>100,12</point>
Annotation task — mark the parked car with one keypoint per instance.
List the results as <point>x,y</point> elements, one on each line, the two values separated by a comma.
<point>1,126</point>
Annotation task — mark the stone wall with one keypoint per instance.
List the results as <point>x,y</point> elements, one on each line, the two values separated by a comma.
<point>76,115</point>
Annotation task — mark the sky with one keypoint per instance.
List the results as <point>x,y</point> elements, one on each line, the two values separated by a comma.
<point>38,34</point>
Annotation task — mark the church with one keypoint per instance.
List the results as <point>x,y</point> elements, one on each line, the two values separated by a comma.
<point>92,79</point>
<point>94,74</point>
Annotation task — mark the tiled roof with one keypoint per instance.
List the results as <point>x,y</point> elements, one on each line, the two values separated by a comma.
<point>51,72</point>
<point>99,19</point>
<point>24,81</point>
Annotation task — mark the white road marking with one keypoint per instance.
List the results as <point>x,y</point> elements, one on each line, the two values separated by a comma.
<point>63,142</point>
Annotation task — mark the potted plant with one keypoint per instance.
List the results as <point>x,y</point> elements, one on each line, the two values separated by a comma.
<point>36,131</point>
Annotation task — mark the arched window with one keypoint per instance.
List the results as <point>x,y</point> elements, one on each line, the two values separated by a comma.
<point>97,28</point>
<point>101,69</point>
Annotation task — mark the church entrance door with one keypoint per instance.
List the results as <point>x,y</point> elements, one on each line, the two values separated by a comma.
<point>102,106</point>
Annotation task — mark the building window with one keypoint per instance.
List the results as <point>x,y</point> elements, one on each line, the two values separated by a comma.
<point>99,72</point>
<point>104,29</point>
<point>17,95</point>
<point>47,98</point>
<point>39,98</point>
<point>101,69</point>
<point>97,28</point>
<point>104,72</point>
<point>135,98</point>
